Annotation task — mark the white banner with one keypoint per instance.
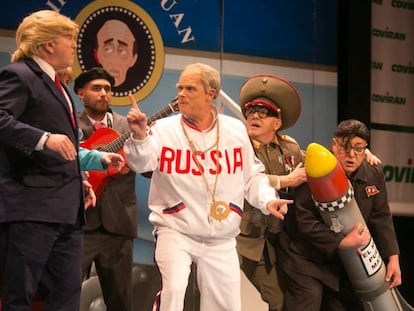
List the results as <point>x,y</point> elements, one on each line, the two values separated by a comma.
<point>392,98</point>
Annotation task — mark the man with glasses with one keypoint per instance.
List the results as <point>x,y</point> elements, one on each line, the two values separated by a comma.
<point>316,279</point>
<point>270,105</point>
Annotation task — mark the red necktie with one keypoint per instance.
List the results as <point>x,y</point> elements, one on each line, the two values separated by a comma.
<point>60,87</point>
<point>99,125</point>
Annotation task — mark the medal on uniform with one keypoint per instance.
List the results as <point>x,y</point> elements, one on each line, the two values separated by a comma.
<point>219,210</point>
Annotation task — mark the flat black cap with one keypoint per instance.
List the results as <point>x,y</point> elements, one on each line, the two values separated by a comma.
<point>92,74</point>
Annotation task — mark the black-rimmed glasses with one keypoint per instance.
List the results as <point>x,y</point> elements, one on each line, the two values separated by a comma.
<point>263,112</point>
<point>346,148</point>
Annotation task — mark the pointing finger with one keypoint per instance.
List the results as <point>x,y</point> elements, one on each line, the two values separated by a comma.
<point>133,102</point>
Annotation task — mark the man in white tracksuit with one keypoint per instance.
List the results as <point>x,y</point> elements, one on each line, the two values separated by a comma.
<point>203,167</point>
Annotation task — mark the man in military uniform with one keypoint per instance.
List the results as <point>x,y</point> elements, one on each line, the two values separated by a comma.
<point>270,104</point>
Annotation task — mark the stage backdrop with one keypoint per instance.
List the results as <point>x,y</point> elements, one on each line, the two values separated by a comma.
<point>295,40</point>
<point>392,98</point>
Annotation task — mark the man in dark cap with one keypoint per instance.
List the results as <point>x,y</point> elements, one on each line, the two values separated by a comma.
<point>270,104</point>
<point>112,225</point>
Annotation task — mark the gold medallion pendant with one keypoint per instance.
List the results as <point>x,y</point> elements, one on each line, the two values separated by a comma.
<point>219,210</point>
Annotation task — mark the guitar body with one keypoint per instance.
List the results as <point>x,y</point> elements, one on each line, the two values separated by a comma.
<point>108,140</point>
<point>99,139</point>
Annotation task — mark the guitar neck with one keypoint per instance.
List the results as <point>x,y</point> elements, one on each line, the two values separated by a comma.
<point>164,112</point>
<point>118,143</point>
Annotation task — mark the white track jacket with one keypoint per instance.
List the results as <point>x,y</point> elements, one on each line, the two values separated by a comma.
<point>178,196</point>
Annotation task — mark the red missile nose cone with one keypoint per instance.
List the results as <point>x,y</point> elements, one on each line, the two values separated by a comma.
<point>326,178</point>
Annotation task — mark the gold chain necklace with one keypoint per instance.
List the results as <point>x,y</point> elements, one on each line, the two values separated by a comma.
<point>219,209</point>
<point>208,129</point>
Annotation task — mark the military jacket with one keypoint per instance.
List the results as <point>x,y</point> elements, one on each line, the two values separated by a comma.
<point>279,158</point>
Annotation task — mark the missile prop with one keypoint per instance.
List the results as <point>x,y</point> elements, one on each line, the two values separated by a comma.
<point>334,196</point>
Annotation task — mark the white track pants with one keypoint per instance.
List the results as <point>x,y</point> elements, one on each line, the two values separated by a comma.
<point>218,272</point>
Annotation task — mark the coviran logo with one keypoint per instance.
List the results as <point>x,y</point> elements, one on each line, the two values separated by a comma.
<point>399,174</point>
<point>403,68</point>
<point>122,38</point>
<point>388,99</point>
<point>406,5</point>
<point>388,34</point>
<point>376,65</point>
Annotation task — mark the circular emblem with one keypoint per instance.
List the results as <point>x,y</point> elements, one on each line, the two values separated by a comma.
<point>219,210</point>
<point>123,39</point>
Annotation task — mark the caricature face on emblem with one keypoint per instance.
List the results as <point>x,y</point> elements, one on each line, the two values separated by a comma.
<point>116,49</point>
<point>122,38</point>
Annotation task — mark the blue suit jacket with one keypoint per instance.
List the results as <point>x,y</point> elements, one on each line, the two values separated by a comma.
<point>35,185</point>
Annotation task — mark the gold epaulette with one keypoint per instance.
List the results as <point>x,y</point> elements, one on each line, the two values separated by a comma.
<point>288,139</point>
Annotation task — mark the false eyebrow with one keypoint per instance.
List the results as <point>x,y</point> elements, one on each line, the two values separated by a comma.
<point>109,40</point>
<point>122,42</point>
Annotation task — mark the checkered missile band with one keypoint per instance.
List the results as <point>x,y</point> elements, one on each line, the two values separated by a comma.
<point>338,204</point>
